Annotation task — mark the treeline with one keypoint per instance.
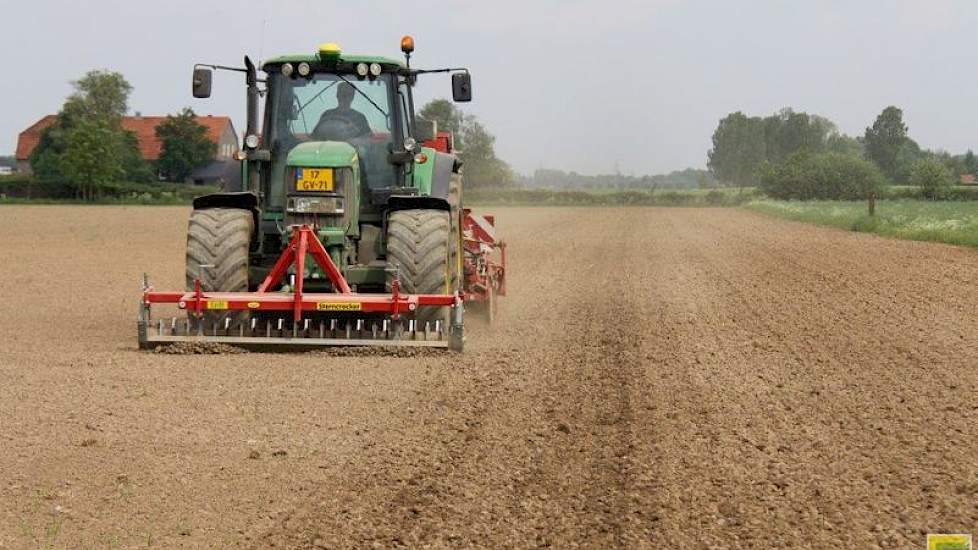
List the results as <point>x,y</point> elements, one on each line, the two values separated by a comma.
<point>88,151</point>
<point>19,187</point>
<point>689,178</point>
<point>796,155</point>
<point>516,196</point>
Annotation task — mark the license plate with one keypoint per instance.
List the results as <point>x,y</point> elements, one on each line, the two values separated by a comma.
<point>313,179</point>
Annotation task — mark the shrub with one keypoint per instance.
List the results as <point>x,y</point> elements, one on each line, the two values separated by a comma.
<point>826,176</point>
<point>933,178</point>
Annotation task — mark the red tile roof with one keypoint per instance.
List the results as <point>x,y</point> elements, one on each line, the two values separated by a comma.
<point>143,126</point>
<point>30,137</point>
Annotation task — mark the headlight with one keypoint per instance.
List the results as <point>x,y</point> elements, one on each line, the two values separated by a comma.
<point>303,69</point>
<point>251,141</point>
<point>375,69</point>
<point>362,69</point>
<point>410,144</point>
<point>287,69</point>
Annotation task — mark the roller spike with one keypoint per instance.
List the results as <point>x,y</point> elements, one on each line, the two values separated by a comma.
<point>280,324</point>
<point>295,329</point>
<point>173,325</point>
<point>427,330</point>
<point>160,330</point>
<point>268,329</point>
<point>373,330</point>
<point>322,329</point>
<point>348,330</point>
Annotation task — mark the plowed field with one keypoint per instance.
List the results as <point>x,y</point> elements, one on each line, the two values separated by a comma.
<point>661,378</point>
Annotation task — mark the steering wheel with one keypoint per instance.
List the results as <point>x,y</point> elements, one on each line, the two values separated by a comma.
<point>337,126</point>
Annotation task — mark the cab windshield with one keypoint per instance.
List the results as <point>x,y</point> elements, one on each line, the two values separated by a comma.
<point>335,107</point>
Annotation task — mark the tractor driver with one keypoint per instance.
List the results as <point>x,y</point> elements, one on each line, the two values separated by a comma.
<point>343,123</point>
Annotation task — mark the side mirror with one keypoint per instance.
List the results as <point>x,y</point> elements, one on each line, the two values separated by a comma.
<point>202,83</point>
<point>462,87</point>
<point>425,130</point>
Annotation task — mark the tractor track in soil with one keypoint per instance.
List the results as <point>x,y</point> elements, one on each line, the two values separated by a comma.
<point>661,378</point>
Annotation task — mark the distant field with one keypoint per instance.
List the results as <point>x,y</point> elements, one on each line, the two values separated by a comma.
<point>953,222</point>
<point>609,197</point>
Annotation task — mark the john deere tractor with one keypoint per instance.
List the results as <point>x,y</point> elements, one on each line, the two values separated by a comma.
<point>340,154</point>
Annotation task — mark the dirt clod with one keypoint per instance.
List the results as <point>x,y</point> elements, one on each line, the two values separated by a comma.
<point>198,348</point>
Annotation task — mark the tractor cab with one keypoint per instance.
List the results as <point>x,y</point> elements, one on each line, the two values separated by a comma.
<point>331,122</point>
<point>338,134</point>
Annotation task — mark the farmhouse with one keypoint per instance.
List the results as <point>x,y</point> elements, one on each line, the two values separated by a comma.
<point>220,130</point>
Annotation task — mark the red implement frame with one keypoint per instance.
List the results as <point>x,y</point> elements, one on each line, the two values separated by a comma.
<point>485,277</point>
<point>304,241</point>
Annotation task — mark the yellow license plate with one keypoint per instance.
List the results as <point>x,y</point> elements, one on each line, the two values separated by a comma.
<point>313,179</point>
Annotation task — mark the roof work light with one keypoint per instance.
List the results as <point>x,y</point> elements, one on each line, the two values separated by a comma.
<point>330,51</point>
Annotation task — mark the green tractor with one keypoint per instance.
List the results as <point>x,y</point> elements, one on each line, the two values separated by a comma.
<point>340,166</point>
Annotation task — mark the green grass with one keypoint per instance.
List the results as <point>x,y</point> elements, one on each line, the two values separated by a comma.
<point>952,222</point>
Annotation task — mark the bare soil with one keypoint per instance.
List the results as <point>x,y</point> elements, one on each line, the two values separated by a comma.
<point>661,378</point>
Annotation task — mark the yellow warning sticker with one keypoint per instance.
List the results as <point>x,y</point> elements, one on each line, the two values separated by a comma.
<point>253,305</point>
<point>338,306</point>
<point>217,304</point>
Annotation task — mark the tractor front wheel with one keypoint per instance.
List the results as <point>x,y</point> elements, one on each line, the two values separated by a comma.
<point>217,254</point>
<point>419,247</point>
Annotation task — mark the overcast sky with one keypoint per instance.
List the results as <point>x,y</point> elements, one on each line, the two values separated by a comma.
<point>582,85</point>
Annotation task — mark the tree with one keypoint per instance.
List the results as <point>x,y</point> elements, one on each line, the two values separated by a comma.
<point>738,149</point>
<point>449,118</point>
<point>185,145</point>
<point>788,132</point>
<point>482,167</point>
<point>806,176</point>
<point>93,111</point>
<point>933,177</point>
<point>970,162</point>
<point>844,145</point>
<point>907,155</point>
<point>885,138</point>
<point>474,142</point>
<point>102,95</point>
<point>89,158</point>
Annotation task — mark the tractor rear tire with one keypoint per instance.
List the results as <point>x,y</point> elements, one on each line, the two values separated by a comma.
<point>419,246</point>
<point>218,240</point>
